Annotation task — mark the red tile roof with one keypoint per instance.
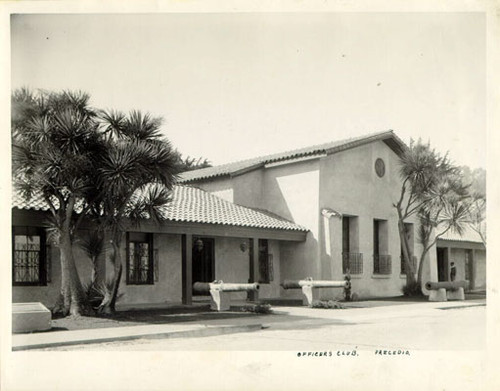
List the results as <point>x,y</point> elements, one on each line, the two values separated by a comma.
<point>391,139</point>
<point>190,204</point>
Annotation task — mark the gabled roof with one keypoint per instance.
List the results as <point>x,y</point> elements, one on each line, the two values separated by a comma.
<point>193,205</point>
<point>389,137</point>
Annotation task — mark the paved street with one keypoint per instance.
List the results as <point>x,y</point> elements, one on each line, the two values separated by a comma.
<point>422,326</point>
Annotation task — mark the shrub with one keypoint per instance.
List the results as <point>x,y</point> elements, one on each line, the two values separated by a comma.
<point>258,308</point>
<point>330,304</point>
<point>412,289</point>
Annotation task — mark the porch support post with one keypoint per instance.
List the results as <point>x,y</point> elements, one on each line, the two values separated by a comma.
<point>472,269</point>
<point>448,263</point>
<point>254,267</point>
<point>187,269</point>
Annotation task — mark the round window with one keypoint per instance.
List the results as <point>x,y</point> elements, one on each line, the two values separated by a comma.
<point>380,167</point>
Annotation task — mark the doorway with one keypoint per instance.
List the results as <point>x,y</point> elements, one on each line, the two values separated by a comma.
<point>442,264</point>
<point>203,260</point>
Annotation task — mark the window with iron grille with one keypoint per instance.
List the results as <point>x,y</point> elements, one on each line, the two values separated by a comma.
<point>266,272</point>
<point>403,263</point>
<point>140,258</point>
<point>29,256</point>
<point>382,264</point>
<point>352,263</point>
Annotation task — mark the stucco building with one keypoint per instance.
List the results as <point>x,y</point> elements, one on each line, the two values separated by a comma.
<point>468,254</point>
<point>315,212</point>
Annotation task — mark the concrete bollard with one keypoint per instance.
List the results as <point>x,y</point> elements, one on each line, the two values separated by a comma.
<point>453,290</point>
<point>28,317</point>
<point>457,294</point>
<point>437,295</point>
<point>307,285</point>
<point>219,292</point>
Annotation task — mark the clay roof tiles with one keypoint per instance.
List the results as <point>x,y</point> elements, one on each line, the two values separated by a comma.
<point>392,140</point>
<point>190,204</point>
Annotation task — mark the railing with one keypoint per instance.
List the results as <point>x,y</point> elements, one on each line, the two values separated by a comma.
<point>27,265</point>
<point>382,264</point>
<point>352,263</point>
<point>403,264</point>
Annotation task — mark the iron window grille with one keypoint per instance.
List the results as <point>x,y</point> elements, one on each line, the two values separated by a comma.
<point>266,270</point>
<point>382,264</point>
<point>352,263</point>
<point>413,263</point>
<point>140,259</point>
<point>29,253</point>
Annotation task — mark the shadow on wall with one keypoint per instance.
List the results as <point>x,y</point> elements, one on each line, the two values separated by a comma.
<point>298,261</point>
<point>293,183</point>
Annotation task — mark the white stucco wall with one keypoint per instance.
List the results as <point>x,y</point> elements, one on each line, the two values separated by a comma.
<point>247,189</point>
<point>292,191</point>
<point>168,288</point>
<point>49,293</point>
<point>350,186</point>
<point>480,269</point>
<point>221,187</point>
<point>233,266</point>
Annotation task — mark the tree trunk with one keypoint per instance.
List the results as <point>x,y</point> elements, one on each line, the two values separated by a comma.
<point>420,268</point>
<point>72,298</point>
<point>93,272</point>
<point>410,272</point>
<point>108,304</point>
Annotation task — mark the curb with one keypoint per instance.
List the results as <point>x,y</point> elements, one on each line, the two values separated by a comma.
<point>203,332</point>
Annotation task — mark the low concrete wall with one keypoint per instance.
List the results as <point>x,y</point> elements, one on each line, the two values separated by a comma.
<point>27,317</point>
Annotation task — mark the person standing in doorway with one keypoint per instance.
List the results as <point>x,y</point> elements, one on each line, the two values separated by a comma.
<point>453,271</point>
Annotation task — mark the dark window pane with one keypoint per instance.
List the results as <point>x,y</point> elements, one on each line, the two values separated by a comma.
<point>28,258</point>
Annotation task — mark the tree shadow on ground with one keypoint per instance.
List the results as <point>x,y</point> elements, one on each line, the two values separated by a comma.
<point>199,315</point>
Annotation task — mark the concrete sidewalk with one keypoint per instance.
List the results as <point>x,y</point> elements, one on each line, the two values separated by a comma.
<point>283,318</point>
<point>111,334</point>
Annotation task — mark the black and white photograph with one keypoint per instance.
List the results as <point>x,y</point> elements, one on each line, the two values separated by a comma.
<point>261,198</point>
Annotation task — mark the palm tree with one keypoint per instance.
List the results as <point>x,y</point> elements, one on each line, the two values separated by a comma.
<point>433,191</point>
<point>55,150</point>
<point>88,164</point>
<point>134,180</point>
<point>449,213</point>
<point>93,246</point>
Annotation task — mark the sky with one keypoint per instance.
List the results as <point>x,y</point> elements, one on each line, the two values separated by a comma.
<point>239,85</point>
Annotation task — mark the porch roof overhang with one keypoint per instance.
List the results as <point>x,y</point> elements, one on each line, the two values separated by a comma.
<point>468,238</point>
<point>191,211</point>
<point>465,244</point>
<point>38,218</point>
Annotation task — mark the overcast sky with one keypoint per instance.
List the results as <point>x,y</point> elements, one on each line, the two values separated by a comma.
<point>233,86</point>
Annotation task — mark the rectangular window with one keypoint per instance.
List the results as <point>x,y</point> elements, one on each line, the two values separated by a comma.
<point>382,263</point>
<point>410,237</point>
<point>28,258</point>
<point>140,263</point>
<point>266,273</point>
<point>352,260</point>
